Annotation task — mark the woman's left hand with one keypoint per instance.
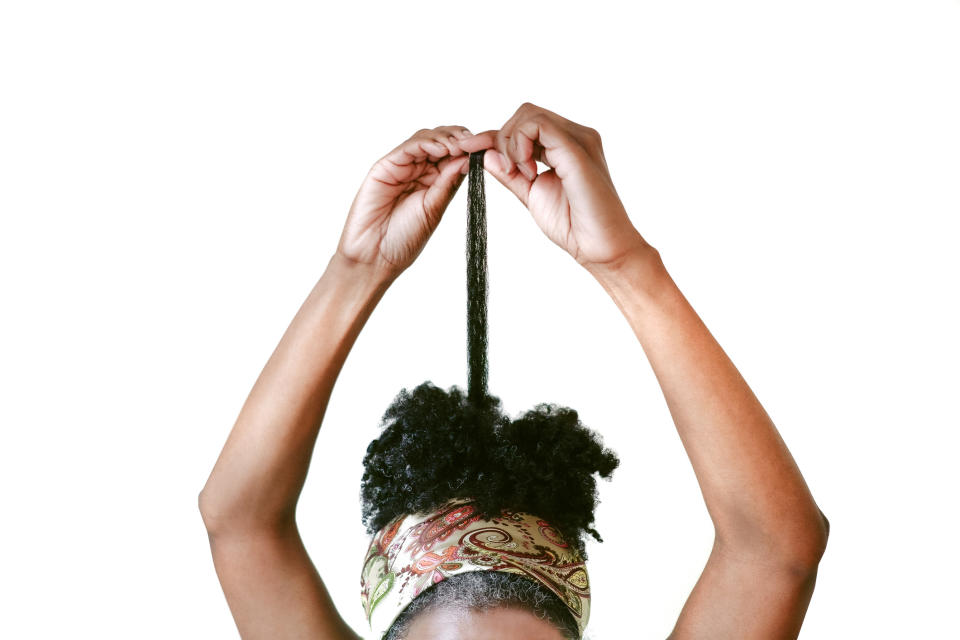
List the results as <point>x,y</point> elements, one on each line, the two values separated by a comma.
<point>574,201</point>
<point>402,199</point>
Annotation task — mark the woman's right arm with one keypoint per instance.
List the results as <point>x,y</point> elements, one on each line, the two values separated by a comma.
<point>249,502</point>
<point>250,499</point>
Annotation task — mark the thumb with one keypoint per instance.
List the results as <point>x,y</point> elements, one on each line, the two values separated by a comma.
<point>516,182</point>
<point>441,192</point>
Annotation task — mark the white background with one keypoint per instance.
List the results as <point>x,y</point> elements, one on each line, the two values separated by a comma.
<point>175,175</point>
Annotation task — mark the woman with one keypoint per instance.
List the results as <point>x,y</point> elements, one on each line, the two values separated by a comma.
<point>769,532</point>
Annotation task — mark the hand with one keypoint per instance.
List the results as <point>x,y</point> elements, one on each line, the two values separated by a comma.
<point>402,199</point>
<point>574,203</point>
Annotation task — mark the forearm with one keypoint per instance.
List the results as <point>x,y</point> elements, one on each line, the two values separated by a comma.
<point>260,472</point>
<point>753,489</point>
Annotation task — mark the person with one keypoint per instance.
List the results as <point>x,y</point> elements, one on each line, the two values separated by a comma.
<point>770,535</point>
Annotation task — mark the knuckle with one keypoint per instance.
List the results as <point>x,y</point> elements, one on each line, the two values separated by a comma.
<point>591,139</point>
<point>539,118</point>
<point>527,110</point>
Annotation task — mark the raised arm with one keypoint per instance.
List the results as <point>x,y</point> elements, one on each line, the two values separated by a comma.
<point>769,532</point>
<point>249,501</point>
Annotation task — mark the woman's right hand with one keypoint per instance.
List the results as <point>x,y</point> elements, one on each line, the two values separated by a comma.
<point>403,198</point>
<point>574,203</point>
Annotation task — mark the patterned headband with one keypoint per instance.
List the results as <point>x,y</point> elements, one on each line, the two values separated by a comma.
<point>415,552</point>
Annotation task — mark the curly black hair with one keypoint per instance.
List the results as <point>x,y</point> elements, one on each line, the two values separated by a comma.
<point>437,445</point>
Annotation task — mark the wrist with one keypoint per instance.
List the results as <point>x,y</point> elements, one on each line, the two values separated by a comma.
<point>637,277</point>
<point>363,281</point>
<point>364,271</point>
<point>641,255</point>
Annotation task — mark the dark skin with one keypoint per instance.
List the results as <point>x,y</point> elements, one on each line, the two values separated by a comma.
<point>769,533</point>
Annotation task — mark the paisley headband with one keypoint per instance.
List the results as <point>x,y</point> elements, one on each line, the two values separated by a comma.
<point>417,551</point>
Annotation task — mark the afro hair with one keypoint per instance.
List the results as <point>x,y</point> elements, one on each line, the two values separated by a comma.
<point>436,446</point>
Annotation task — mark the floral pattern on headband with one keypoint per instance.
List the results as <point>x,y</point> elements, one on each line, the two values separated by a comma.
<point>415,552</point>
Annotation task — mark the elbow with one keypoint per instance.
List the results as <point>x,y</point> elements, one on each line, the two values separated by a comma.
<point>230,516</point>
<point>796,545</point>
<point>216,517</point>
<point>207,511</point>
<point>809,546</point>
<point>824,534</point>
<point>821,532</point>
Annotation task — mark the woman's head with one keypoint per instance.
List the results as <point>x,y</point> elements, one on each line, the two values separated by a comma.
<point>415,568</point>
<point>485,605</point>
<point>452,489</point>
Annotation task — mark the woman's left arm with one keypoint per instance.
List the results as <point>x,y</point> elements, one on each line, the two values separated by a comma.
<point>249,501</point>
<point>770,534</point>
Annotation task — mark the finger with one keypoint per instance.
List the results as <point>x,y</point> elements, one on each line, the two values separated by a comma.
<point>479,141</point>
<point>538,155</point>
<point>539,152</point>
<point>529,169</point>
<point>515,182</point>
<point>506,143</point>
<point>551,141</point>
<point>454,130</point>
<point>523,154</point>
<point>537,134</point>
<point>448,142</point>
<point>445,186</point>
<point>501,144</point>
<point>431,175</point>
<point>437,149</point>
<point>450,137</point>
<point>458,160</point>
<point>417,148</point>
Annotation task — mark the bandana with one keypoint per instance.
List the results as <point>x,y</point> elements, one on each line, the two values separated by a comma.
<point>417,551</point>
